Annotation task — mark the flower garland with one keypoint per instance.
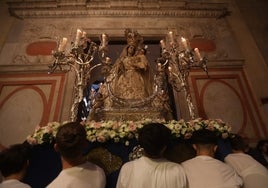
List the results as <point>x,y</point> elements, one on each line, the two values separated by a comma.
<point>123,131</point>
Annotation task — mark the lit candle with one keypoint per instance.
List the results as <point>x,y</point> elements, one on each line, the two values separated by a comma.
<point>169,69</point>
<point>84,34</point>
<point>163,44</point>
<point>108,60</point>
<point>156,88</point>
<point>103,39</point>
<point>78,37</point>
<point>159,67</point>
<point>184,43</point>
<point>63,44</point>
<point>171,38</point>
<point>197,53</point>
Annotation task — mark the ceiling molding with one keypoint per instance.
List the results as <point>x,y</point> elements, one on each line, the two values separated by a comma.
<point>115,8</point>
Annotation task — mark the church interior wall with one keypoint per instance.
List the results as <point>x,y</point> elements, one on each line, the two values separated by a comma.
<point>232,91</point>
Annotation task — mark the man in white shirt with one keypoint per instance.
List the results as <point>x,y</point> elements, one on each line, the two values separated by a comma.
<point>152,170</point>
<point>76,172</point>
<point>13,165</point>
<point>204,171</point>
<point>254,174</point>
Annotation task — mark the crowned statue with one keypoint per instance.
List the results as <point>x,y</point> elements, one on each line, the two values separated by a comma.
<point>131,91</point>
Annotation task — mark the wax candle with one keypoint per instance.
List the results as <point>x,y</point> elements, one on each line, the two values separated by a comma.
<point>162,44</point>
<point>84,34</point>
<point>108,60</point>
<point>159,67</point>
<point>171,38</point>
<point>63,44</point>
<point>184,43</point>
<point>197,53</point>
<point>103,39</point>
<point>78,37</point>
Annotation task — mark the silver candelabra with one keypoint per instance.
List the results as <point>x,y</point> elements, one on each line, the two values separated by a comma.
<point>80,60</point>
<point>179,59</point>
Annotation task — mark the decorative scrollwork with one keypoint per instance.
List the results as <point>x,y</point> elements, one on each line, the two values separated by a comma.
<point>179,60</point>
<point>80,60</point>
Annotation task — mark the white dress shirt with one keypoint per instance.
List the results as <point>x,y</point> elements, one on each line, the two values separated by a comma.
<point>87,175</point>
<point>254,174</point>
<point>13,183</point>
<point>206,172</point>
<point>151,173</point>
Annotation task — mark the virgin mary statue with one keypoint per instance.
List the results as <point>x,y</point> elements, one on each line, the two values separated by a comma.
<point>128,91</point>
<point>131,73</point>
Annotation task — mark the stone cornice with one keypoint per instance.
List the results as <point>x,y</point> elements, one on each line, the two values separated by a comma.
<point>113,8</point>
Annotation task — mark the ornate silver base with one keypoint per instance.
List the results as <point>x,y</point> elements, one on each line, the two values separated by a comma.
<point>130,114</point>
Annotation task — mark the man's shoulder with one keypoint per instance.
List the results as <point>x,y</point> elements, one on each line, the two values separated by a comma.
<point>202,160</point>
<point>14,183</point>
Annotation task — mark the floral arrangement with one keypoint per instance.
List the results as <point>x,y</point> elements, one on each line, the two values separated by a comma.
<point>123,131</point>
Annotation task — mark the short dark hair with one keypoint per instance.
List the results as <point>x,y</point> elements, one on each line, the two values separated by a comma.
<point>14,159</point>
<point>204,136</point>
<point>238,143</point>
<point>71,139</point>
<point>260,144</point>
<point>153,137</point>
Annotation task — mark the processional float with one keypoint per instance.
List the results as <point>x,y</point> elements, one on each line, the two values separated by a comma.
<point>176,61</point>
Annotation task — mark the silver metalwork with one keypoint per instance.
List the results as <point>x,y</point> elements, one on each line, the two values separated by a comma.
<point>179,59</point>
<point>80,60</point>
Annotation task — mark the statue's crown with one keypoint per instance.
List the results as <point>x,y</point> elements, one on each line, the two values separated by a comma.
<point>133,37</point>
